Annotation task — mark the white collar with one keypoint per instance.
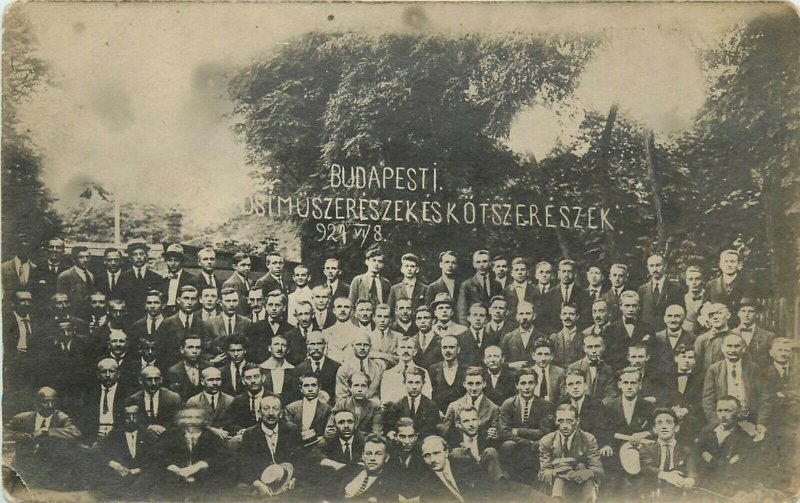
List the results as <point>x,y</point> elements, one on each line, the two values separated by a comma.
<point>272,364</point>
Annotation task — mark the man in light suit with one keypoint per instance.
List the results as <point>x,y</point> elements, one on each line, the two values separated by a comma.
<point>410,287</point>
<point>213,401</point>
<point>77,282</point>
<point>575,478</point>
<point>446,282</point>
<point>657,294</point>
<point>240,280</point>
<point>358,360</point>
<point>371,285</point>
<point>176,278</point>
<point>228,323</point>
<point>368,411</point>
<point>693,298</point>
<point>477,289</point>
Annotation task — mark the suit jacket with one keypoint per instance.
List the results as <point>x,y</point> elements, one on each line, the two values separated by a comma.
<point>513,348</point>
<point>408,474</point>
<point>169,403</point>
<point>758,349</point>
<point>42,281</point>
<point>715,386</point>
<point>61,427</point>
<point>359,288</point>
<point>289,393</point>
<point>219,414</point>
<point>473,291</point>
<point>592,418</point>
<point>433,489</point>
<point>173,333</point>
<point>229,376</point>
<point>513,300</point>
<point>555,383</point>
<point>259,336</point>
<point>641,419</point>
<point>254,453</point>
<point>134,290</point>
<point>720,472</point>
<point>172,449</point>
<point>77,289</point>
<point>331,448</point>
<point>487,415</point>
<point>505,387</point>
<point>683,460</point>
<point>342,290</point>
<point>691,399</point>
<point>89,418</point>
<point>551,313</point>
<point>326,376</point>
<point>662,351</point>
<point>398,291</point>
<point>783,411</point>
<point>470,352</point>
<point>369,420</point>
<point>717,293</point>
<point>139,330</point>
<point>652,307</point>
<point>409,331</point>
<point>178,380</point>
<point>102,284</point>
<point>114,447</point>
<point>442,392</point>
<point>239,415</point>
<point>540,420</point>
<point>431,354</point>
<point>617,342</point>
<point>566,352</point>
<point>605,382</point>
<point>268,283</point>
<point>612,298</point>
<point>330,320</point>
<point>218,331</point>
<point>294,415</point>
<point>186,278</point>
<point>68,371</point>
<point>236,281</point>
<point>583,449</point>
<point>439,286</point>
<point>201,283</point>
<point>34,341</point>
<point>11,282</point>
<point>426,418</point>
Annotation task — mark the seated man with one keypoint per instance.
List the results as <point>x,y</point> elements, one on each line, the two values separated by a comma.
<point>723,450</point>
<point>104,409</point>
<point>277,370</point>
<point>415,406</point>
<point>406,456</point>
<point>600,380</point>
<point>184,377</point>
<point>243,412</point>
<point>213,401</point>
<point>444,481</point>
<point>569,458</point>
<point>474,383</point>
<point>45,438</point>
<point>499,378</point>
<point>367,411</point>
<point>375,481</point>
<point>471,447</point>
<point>309,414</point>
<point>668,466</point>
<point>393,380</point>
<point>125,455</point>
<point>591,413</point>
<point>157,405</point>
<point>685,391</point>
<point>345,448</point>
<point>523,421</point>
<point>356,359</point>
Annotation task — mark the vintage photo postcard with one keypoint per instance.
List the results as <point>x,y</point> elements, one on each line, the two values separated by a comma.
<point>401,251</point>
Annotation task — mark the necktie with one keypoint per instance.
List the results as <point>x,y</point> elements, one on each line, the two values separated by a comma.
<point>363,367</point>
<point>347,454</point>
<point>213,402</point>
<point>316,366</point>
<point>105,401</point>
<point>733,372</point>
<point>186,323</point>
<point>543,386</point>
<point>149,326</point>
<point>23,340</point>
<point>43,426</point>
<point>151,412</point>
<point>413,406</point>
<point>655,290</point>
<point>667,459</point>
<point>237,376</point>
<point>246,284</point>
<point>230,326</point>
<point>526,411</point>
<point>423,343</point>
<point>486,286</point>
<point>253,406</point>
<point>193,376</point>
<point>373,292</point>
<point>363,487</point>
<point>478,338</point>
<point>452,486</point>
<point>784,371</point>
<point>138,273</point>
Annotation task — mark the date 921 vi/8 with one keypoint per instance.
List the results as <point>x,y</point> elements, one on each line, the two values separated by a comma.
<point>339,232</point>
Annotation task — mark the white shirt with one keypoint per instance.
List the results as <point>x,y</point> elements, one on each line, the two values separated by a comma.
<point>232,369</point>
<point>338,336</point>
<point>228,323</point>
<point>272,438</point>
<point>627,409</point>
<point>151,401</point>
<point>566,291</point>
<point>309,409</point>
<point>299,295</point>
<point>210,279</point>
<point>525,336</point>
<point>37,425</point>
<point>722,434</point>
<point>345,445</point>
<point>673,338</point>
<point>185,319</point>
<point>24,270</point>
<point>525,404</point>
<point>260,315</point>
<point>520,288</point>
<point>736,384</point>
<point>278,372</point>
<point>139,272</point>
<point>130,437</point>
<point>172,292</point>
<point>450,373</point>
<point>578,405</point>
<point>409,286</point>
<point>108,418</point>
<point>22,342</point>
<point>660,284</point>
<point>450,284</point>
<point>671,446</point>
<point>425,339</point>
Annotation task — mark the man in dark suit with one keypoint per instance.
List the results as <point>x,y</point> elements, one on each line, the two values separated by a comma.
<point>569,458</point>
<point>657,294</point>
<point>500,271</point>
<point>63,364</point>
<point>150,325</point>
<point>522,421</point>
<point>668,465</point>
<point>596,287</point>
<point>419,408</point>
<point>498,324</point>
<point>176,278</point>
<point>226,324</point>
<point>550,377</point>
<point>139,279</point>
<point>336,286</point>
<point>124,459</point>
<point>447,376</point>
<point>278,372</point>
<point>77,282</point>
<point>590,410</point>
<point>475,384</point>
<point>105,404</point>
<point>601,382</point>
<point>244,411</point>
<point>45,275</point>
<point>270,442</point>
<point>297,337</point>
<point>406,458</point>
<point>476,338</point>
<point>477,289</point>
<point>684,392</point>
<point>371,285</point>
<point>108,281</point>
<point>429,342</point>
<point>499,379</point>
<point>566,292</point>
<point>411,287</point>
<point>310,414</point>
<point>158,406</point>
<point>273,279</point>
<point>472,447</point>
<point>520,289</point>
<point>618,277</point>
<point>674,335</point>
<point>259,335</point>
<point>731,285</point>
<point>446,481</point>
<point>446,282</point>
<point>543,273</point>
<point>232,366</point>
<point>600,318</point>
<point>724,450</point>
<point>757,340</point>
<point>626,331</point>
<point>213,401</point>
<point>404,318</point>
<point>654,388</point>
<point>240,280</point>
<point>128,364</point>
<point>322,316</point>
<point>207,259</point>
<point>45,438</point>
<point>185,322</point>
<point>23,341</point>
<point>376,481</point>
<point>184,377</point>
<point>18,272</point>
<point>517,344</point>
<point>318,364</point>
<point>567,342</point>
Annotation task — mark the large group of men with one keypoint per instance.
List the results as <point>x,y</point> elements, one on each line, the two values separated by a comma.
<point>135,385</point>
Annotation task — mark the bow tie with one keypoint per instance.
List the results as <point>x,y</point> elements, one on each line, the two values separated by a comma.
<point>174,275</point>
<point>697,297</point>
<point>268,432</point>
<point>594,363</point>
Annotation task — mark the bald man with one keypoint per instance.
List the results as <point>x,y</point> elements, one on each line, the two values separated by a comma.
<point>215,402</point>
<point>157,405</point>
<point>104,409</point>
<point>674,335</point>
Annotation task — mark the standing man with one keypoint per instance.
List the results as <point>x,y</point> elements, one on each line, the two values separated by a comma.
<point>567,344</point>
<point>260,334</point>
<point>693,298</point>
<point>332,272</point>
<point>544,278</point>
<point>338,335</point>
<point>323,316</point>
<point>446,282</point>
<point>521,289</point>
<point>18,272</point>
<point>299,291</point>
<point>730,286</point>
<point>207,259</point>
<point>273,279</point>
<point>498,324</point>
<point>516,345</point>
<point>255,301</point>
<point>228,323</point>
<point>185,322</point>
<point>77,282</point>
<point>626,331</point>
<point>176,276</point>
<point>108,281</point>
<point>371,285</point>
<point>429,342</point>
<point>410,287</point>
<point>476,338</point>
<point>657,294</point>
<point>150,325</point>
<point>567,292</point>
<point>139,279</point>
<point>447,376</point>
<point>756,339</point>
<point>500,271</point>
<point>319,365</point>
<point>46,273</point>
<point>600,379</point>
<point>477,289</point>
<point>671,337</point>
<point>618,277</point>
<point>596,287</point>
<point>403,318</point>
<point>240,280</point>
<point>442,307</point>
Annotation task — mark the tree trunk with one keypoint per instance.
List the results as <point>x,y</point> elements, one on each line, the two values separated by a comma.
<point>651,172</point>
<point>601,176</point>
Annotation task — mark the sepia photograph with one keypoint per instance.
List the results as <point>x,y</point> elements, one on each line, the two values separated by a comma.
<point>400,251</point>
